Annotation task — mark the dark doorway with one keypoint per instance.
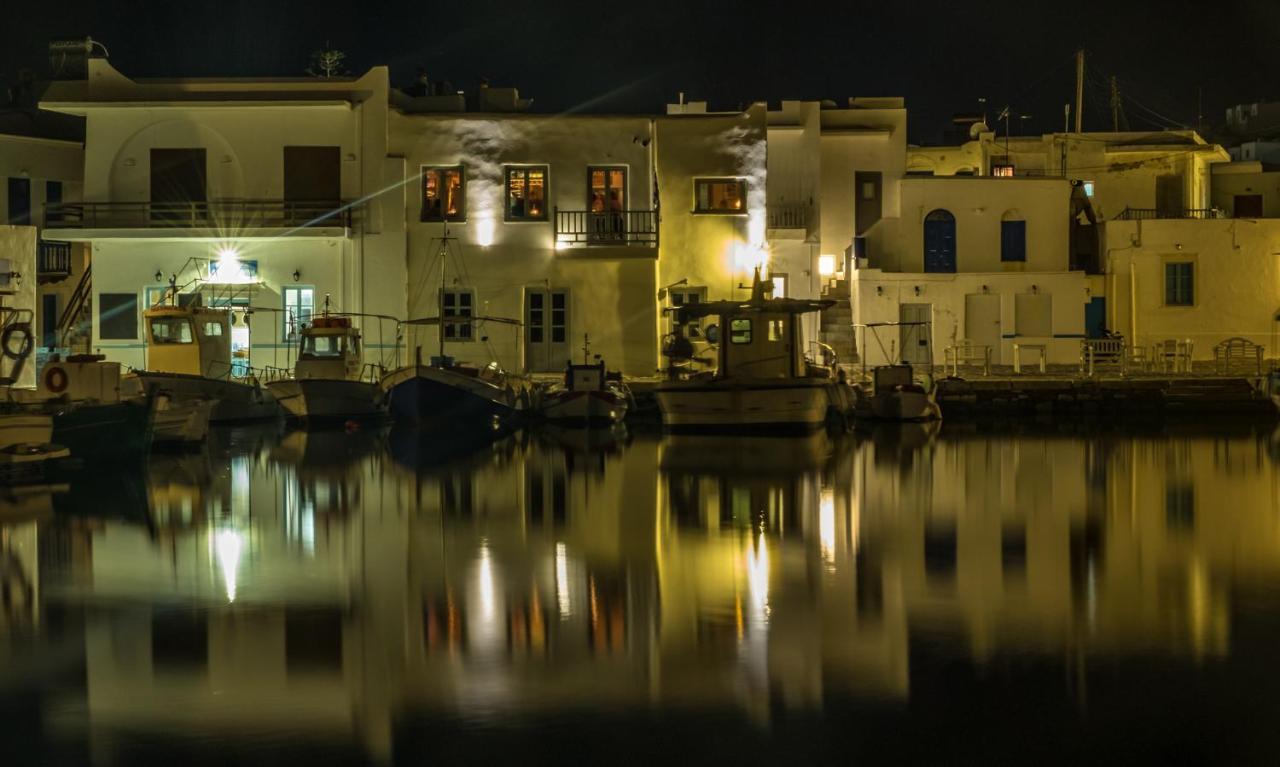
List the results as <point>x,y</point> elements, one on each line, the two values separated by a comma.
<point>312,174</point>
<point>940,242</point>
<point>868,208</point>
<point>1095,317</point>
<point>1169,202</point>
<point>178,179</point>
<point>49,320</point>
<point>1247,206</point>
<point>20,201</point>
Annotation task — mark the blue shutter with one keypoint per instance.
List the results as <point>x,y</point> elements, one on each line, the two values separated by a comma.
<point>1013,240</point>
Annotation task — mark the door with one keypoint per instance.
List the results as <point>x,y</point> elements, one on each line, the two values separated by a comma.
<point>868,209</point>
<point>607,203</point>
<point>178,179</point>
<point>1095,317</point>
<point>914,339</point>
<point>19,201</point>
<point>546,330</point>
<point>940,242</point>
<point>982,322</point>
<point>1169,202</point>
<point>313,174</point>
<point>49,320</point>
<point>1247,206</point>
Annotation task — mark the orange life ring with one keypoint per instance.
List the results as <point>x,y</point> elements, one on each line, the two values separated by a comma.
<point>55,380</point>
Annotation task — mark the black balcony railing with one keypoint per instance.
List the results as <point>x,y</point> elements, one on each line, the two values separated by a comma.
<point>220,215</point>
<point>53,259</point>
<point>618,227</point>
<point>789,216</point>
<point>1142,214</point>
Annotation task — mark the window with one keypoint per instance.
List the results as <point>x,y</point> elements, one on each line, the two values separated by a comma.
<point>779,285</point>
<point>1013,237</point>
<point>777,330</point>
<point>526,193</point>
<point>52,194</point>
<point>869,190</point>
<point>170,330</point>
<point>1088,188</point>
<point>154,296</point>
<point>117,316</point>
<point>1001,170</point>
<point>720,195</point>
<point>443,195</point>
<point>1179,284</point>
<point>20,201</point>
<point>740,331</point>
<point>458,303</point>
<point>323,347</point>
<point>212,328</point>
<point>559,316</point>
<point>685,296</point>
<point>299,303</point>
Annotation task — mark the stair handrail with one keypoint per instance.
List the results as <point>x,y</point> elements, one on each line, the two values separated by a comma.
<point>75,306</point>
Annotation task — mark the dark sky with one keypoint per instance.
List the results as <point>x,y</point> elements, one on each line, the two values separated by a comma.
<point>635,56</point>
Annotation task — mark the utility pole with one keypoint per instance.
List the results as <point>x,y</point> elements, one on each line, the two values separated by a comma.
<point>1115,105</point>
<point>1079,90</point>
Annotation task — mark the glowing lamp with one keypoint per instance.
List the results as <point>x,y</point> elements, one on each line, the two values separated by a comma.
<point>826,265</point>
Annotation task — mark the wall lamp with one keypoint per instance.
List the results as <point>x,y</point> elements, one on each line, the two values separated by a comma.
<point>917,289</point>
<point>159,276</point>
<point>1035,288</point>
<point>879,290</point>
<point>986,289</point>
<point>297,275</point>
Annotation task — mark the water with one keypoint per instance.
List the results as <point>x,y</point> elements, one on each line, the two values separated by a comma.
<point>907,595</point>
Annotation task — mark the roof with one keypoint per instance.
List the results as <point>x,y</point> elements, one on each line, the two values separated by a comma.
<point>42,124</point>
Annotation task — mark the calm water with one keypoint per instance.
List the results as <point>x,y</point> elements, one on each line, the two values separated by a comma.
<point>909,595</point>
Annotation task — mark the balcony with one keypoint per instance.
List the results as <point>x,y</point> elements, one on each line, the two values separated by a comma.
<point>1146,214</point>
<point>212,218</point>
<point>53,261</point>
<point>789,220</point>
<point>635,228</point>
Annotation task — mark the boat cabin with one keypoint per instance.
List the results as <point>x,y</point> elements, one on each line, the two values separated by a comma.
<point>759,338</point>
<point>330,349</point>
<point>192,340</point>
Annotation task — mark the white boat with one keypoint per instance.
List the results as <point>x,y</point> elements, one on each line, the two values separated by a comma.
<point>896,396</point>
<point>189,357</point>
<point>589,396</point>
<point>326,382</point>
<point>179,423</point>
<point>762,380</point>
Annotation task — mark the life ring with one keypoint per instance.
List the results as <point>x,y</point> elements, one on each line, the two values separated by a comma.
<point>55,379</point>
<point>23,350</point>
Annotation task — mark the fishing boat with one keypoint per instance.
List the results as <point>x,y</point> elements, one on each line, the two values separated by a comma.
<point>327,381</point>
<point>27,450</point>
<point>189,357</point>
<point>762,380</point>
<point>590,396</point>
<point>179,424</point>
<point>447,391</point>
<point>90,416</point>
<point>894,393</point>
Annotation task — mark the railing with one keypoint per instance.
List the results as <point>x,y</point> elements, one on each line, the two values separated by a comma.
<point>222,215</point>
<point>1142,214</point>
<point>74,319</point>
<point>616,227</point>
<point>790,216</point>
<point>53,259</point>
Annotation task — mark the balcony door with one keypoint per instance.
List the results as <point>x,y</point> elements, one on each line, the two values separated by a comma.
<point>546,331</point>
<point>312,182</point>
<point>178,179</point>
<point>607,202</point>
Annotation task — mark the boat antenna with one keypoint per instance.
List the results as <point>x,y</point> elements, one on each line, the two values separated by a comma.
<point>586,348</point>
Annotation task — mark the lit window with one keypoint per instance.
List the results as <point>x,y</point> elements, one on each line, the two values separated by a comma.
<point>1179,284</point>
<point>443,194</point>
<point>1088,188</point>
<point>826,265</point>
<point>779,285</point>
<point>458,303</point>
<point>170,330</point>
<point>323,347</point>
<point>740,331</point>
<point>1002,171</point>
<point>776,331</point>
<point>213,328</point>
<point>299,303</point>
<point>526,193</point>
<point>720,195</point>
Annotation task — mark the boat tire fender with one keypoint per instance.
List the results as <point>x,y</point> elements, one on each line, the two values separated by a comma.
<point>24,347</point>
<point>55,378</point>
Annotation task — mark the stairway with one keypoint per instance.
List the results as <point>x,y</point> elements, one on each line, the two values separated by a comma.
<point>75,326</point>
<point>837,322</point>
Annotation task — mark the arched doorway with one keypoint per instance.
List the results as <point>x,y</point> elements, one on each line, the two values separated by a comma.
<point>940,242</point>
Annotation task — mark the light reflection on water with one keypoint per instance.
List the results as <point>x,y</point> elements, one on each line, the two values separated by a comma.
<point>371,591</point>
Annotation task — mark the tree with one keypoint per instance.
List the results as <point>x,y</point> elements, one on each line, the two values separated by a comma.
<point>327,63</point>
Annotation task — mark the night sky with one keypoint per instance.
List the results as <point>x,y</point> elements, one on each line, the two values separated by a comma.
<point>634,57</point>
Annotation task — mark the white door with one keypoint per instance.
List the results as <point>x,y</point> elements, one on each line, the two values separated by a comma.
<point>982,322</point>
<point>915,339</point>
<point>546,332</point>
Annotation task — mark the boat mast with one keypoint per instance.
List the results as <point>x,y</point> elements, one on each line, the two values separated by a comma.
<point>444,258</point>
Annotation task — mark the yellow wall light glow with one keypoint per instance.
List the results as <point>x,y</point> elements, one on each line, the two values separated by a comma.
<point>826,265</point>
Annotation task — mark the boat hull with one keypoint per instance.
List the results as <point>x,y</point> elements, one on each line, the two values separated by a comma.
<point>589,408</point>
<point>233,401</point>
<point>318,399</point>
<point>114,432</point>
<point>720,406</point>
<point>425,395</point>
<point>904,406</point>
<point>25,428</point>
<point>177,424</point>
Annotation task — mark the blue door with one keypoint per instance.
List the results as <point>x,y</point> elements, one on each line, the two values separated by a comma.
<point>1095,317</point>
<point>940,242</point>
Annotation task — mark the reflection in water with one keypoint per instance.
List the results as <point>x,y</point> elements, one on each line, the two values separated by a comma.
<point>361,591</point>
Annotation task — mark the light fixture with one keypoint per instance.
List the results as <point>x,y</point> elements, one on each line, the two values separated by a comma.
<point>826,265</point>
<point>879,290</point>
<point>159,276</point>
<point>1035,288</point>
<point>917,289</point>
<point>986,289</point>
<point>297,275</point>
